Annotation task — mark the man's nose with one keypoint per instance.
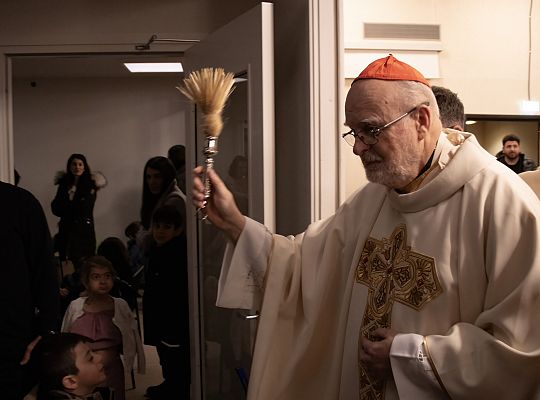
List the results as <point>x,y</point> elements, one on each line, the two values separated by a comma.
<point>359,147</point>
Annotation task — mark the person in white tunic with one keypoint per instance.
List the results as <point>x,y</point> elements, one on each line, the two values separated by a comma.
<point>425,283</point>
<point>533,180</point>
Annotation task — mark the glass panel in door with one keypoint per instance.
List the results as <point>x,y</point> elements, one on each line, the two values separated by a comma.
<point>224,339</point>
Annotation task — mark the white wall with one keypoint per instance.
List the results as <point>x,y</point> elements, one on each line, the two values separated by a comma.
<point>485,45</point>
<point>484,53</point>
<point>118,124</point>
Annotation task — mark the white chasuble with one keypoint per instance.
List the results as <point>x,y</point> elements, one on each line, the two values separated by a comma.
<point>403,281</point>
<point>455,263</point>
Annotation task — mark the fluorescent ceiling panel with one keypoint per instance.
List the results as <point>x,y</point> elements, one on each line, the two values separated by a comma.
<point>529,107</point>
<point>155,67</point>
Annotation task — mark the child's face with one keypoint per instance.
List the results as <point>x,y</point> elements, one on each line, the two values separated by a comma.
<point>164,232</point>
<point>100,280</point>
<point>91,372</point>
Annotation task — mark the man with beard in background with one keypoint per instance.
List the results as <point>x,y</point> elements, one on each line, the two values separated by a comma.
<point>512,157</point>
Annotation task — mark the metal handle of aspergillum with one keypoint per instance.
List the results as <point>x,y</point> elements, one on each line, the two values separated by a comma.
<point>209,151</point>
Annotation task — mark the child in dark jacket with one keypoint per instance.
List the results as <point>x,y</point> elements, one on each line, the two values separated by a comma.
<point>166,304</point>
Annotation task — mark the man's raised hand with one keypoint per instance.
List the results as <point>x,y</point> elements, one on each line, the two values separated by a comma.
<point>220,208</point>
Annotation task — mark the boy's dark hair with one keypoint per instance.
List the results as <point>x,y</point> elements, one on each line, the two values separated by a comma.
<point>510,138</point>
<point>167,214</point>
<point>132,229</point>
<point>115,250</point>
<point>95,261</point>
<point>57,359</point>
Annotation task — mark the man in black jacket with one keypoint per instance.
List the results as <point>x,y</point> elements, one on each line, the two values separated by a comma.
<point>512,157</point>
<point>29,294</point>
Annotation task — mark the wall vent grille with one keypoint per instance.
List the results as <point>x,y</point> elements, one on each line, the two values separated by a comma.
<point>402,31</point>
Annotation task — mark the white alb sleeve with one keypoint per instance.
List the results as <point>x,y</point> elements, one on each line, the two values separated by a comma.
<point>244,266</point>
<point>412,371</point>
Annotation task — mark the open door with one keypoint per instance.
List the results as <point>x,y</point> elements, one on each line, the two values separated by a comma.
<point>223,338</point>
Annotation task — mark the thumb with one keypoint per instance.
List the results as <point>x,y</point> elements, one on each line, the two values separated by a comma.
<point>28,352</point>
<point>380,332</point>
<point>385,333</point>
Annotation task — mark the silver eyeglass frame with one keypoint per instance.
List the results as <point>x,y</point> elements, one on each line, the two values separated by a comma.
<point>371,137</point>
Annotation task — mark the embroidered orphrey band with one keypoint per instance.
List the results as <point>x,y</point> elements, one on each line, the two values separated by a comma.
<point>392,273</point>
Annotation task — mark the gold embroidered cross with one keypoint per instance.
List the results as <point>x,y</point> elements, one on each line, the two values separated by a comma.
<point>392,272</point>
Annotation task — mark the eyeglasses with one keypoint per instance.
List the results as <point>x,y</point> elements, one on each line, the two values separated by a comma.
<point>370,135</point>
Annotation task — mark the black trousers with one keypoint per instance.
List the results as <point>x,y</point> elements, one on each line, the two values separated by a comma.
<point>176,369</point>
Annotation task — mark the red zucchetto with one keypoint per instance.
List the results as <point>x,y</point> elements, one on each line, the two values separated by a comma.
<point>391,69</point>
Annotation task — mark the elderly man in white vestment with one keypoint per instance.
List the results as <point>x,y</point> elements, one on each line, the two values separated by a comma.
<point>425,283</point>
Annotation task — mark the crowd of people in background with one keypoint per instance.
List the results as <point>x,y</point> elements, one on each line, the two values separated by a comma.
<point>92,291</point>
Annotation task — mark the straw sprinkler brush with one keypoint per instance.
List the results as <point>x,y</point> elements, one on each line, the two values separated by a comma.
<point>209,89</point>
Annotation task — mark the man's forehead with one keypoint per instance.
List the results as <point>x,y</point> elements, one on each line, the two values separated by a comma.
<point>369,94</point>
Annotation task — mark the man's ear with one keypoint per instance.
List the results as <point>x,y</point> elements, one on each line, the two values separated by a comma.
<point>70,382</point>
<point>423,121</point>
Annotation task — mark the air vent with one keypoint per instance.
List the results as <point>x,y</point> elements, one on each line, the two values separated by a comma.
<point>402,31</point>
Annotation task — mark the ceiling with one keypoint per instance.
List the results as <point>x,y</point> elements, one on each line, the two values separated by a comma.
<point>87,65</point>
<point>123,25</point>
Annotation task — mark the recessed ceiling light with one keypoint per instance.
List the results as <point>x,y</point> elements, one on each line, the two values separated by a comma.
<point>528,107</point>
<point>154,67</point>
<point>470,122</point>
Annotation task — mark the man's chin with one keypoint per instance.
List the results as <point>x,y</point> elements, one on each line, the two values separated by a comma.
<point>378,178</point>
<point>393,182</point>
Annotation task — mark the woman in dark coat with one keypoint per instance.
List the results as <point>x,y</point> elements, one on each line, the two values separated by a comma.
<point>74,204</point>
<point>159,189</point>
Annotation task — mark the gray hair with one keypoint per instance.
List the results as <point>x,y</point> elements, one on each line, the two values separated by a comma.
<point>414,93</point>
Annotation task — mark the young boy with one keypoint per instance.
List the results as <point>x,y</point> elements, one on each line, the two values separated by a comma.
<point>68,369</point>
<point>166,304</point>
